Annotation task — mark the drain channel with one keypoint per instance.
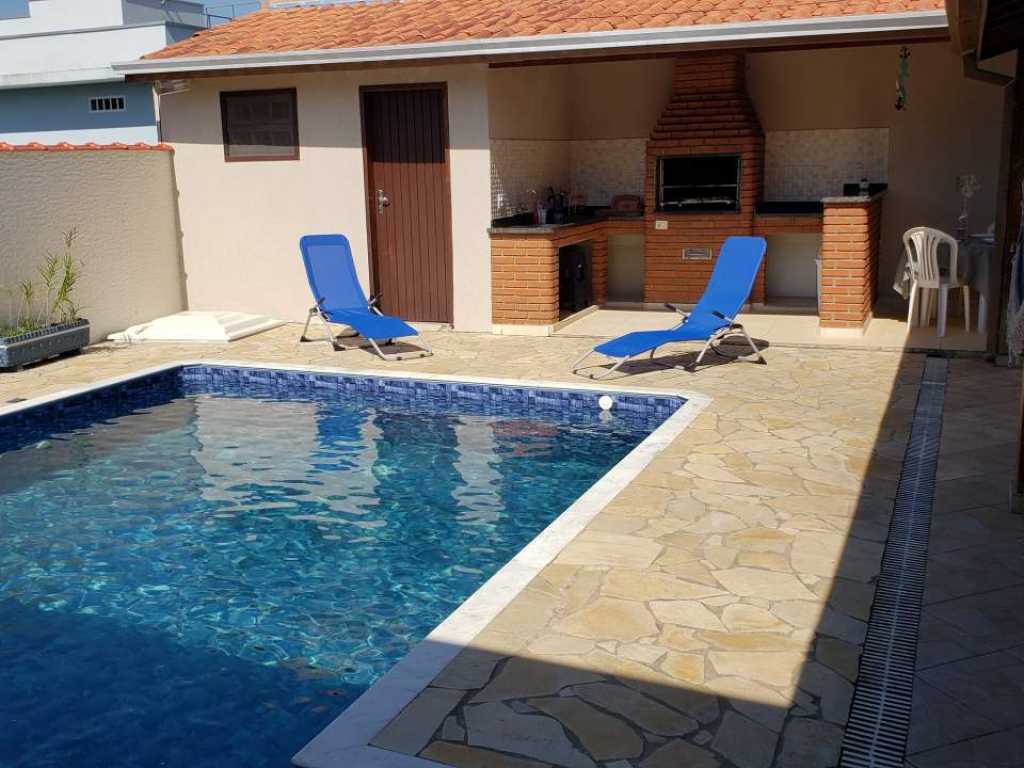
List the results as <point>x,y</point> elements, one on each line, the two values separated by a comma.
<point>876,733</point>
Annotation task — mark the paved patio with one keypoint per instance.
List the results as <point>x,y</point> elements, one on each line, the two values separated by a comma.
<point>969,688</point>
<point>712,614</point>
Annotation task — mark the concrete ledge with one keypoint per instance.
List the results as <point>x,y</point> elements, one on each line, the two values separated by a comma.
<point>522,330</point>
<point>839,332</point>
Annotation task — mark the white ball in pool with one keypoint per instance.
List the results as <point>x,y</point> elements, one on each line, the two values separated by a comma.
<point>605,402</point>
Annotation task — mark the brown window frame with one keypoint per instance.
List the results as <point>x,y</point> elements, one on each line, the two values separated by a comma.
<point>225,95</point>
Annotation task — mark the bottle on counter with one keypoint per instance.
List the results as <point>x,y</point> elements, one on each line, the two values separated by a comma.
<point>865,187</point>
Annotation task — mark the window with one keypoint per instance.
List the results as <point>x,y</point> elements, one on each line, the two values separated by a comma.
<point>106,104</point>
<point>701,183</point>
<point>260,125</point>
<point>14,9</point>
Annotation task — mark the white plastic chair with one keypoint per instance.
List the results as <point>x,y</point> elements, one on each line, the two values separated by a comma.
<point>922,248</point>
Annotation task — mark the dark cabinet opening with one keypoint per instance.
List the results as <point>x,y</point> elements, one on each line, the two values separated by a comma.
<point>699,183</point>
<point>574,279</point>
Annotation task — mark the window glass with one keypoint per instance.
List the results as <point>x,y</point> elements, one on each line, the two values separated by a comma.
<point>260,125</point>
<point>14,9</point>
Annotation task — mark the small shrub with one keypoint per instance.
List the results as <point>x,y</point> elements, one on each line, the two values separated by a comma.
<point>32,305</point>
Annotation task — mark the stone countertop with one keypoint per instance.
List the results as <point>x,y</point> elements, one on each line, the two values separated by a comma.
<point>544,229</point>
<point>853,199</point>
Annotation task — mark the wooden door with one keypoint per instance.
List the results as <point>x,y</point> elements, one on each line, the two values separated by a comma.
<point>405,135</point>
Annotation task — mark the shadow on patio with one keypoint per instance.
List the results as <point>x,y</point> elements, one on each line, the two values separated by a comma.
<point>798,328</point>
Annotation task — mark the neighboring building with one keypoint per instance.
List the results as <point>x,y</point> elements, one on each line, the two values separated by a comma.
<point>303,119</point>
<point>56,82</point>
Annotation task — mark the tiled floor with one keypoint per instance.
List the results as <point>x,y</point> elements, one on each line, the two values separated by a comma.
<point>788,329</point>
<point>712,614</point>
<point>969,688</point>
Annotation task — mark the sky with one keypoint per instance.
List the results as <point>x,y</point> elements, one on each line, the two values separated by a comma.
<point>225,7</point>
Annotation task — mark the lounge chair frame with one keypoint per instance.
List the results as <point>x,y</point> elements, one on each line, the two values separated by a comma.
<point>332,338</point>
<point>713,344</point>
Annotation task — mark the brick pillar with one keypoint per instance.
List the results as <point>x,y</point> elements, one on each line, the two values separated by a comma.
<point>524,281</point>
<point>599,269</point>
<point>851,232</point>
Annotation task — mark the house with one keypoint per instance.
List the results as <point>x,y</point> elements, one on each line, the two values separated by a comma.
<point>429,130</point>
<point>56,82</point>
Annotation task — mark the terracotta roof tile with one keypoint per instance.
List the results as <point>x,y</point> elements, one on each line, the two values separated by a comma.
<point>397,22</point>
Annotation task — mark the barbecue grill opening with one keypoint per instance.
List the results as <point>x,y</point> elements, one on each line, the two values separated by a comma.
<point>699,183</point>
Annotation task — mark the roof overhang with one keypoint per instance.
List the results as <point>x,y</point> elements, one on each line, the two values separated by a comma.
<point>976,37</point>
<point>986,28</point>
<point>1002,27</point>
<point>788,32</point>
<point>21,80</point>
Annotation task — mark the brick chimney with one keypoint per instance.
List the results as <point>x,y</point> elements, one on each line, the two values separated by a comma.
<point>710,114</point>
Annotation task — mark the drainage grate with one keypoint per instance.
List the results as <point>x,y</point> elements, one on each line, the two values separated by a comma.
<point>876,733</point>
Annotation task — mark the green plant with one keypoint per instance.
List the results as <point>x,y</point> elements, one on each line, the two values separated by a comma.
<point>28,310</point>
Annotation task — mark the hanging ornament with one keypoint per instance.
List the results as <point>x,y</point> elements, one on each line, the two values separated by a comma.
<point>902,75</point>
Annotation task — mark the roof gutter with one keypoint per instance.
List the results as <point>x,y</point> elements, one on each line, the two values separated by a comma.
<point>788,30</point>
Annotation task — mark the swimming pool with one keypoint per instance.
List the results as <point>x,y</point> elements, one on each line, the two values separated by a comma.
<point>205,565</point>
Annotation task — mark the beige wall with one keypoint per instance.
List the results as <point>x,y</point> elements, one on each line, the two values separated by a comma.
<point>620,99</point>
<point>580,127</point>
<point>242,222</point>
<point>530,102</point>
<point>951,126</point>
<point>122,203</point>
<point>603,100</point>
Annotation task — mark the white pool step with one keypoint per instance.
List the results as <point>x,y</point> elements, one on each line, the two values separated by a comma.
<point>198,326</point>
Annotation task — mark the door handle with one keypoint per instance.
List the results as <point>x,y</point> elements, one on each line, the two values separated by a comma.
<point>382,201</point>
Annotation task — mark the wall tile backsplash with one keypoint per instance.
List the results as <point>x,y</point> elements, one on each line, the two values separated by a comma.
<point>603,168</point>
<point>799,165</point>
<point>517,166</point>
<point>810,165</point>
<point>597,168</point>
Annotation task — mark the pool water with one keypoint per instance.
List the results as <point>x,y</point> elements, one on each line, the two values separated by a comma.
<point>209,579</point>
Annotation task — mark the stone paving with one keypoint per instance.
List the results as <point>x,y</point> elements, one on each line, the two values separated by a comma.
<point>711,615</point>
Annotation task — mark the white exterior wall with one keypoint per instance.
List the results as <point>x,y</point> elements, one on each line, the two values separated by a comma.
<point>241,222</point>
<point>174,11</point>
<point>53,15</point>
<point>64,15</point>
<point>76,41</point>
<point>122,203</point>
<point>74,57</point>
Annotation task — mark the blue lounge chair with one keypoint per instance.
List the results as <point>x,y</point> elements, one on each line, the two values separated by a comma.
<point>711,320</point>
<point>340,299</point>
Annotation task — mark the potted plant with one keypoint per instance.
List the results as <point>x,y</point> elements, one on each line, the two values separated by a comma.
<point>42,318</point>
